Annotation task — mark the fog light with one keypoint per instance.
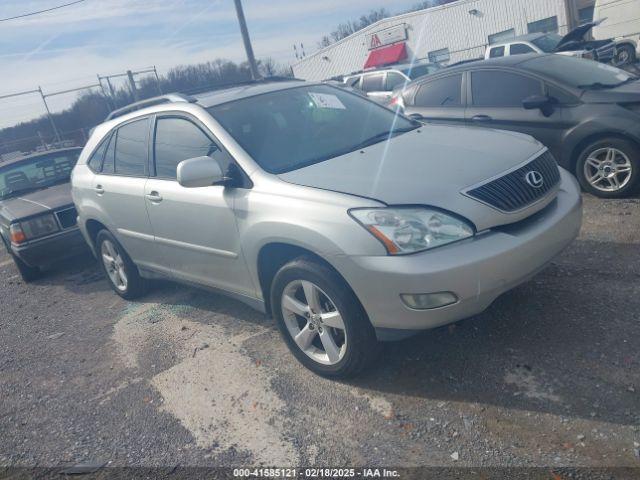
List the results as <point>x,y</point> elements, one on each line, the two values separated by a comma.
<point>427,301</point>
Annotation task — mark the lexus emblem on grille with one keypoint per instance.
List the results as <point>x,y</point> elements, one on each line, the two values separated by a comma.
<point>534,178</point>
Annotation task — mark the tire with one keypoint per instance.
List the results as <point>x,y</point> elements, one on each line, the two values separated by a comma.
<point>600,160</point>
<point>28,273</point>
<point>626,55</point>
<point>122,274</point>
<point>356,343</point>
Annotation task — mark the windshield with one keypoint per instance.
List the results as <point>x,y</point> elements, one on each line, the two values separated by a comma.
<point>577,72</point>
<point>547,43</point>
<point>290,129</point>
<point>36,173</point>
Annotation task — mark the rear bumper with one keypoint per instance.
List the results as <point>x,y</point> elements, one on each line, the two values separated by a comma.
<point>52,249</point>
<point>477,270</point>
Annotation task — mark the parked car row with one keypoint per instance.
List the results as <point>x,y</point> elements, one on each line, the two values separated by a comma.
<point>379,84</point>
<point>346,221</point>
<point>586,113</point>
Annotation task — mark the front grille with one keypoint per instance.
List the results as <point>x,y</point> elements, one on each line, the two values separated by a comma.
<point>511,192</point>
<point>68,218</point>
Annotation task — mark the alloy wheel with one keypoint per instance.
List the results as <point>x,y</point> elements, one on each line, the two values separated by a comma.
<point>314,322</point>
<point>608,169</point>
<point>114,265</point>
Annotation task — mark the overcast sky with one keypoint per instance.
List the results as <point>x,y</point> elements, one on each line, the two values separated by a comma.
<point>68,47</point>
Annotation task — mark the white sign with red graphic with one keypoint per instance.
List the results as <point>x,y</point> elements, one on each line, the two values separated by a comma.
<point>387,37</point>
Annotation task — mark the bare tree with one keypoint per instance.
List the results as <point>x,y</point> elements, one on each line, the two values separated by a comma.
<point>343,30</point>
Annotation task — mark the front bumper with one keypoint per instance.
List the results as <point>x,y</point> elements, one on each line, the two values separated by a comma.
<point>477,270</point>
<point>52,249</point>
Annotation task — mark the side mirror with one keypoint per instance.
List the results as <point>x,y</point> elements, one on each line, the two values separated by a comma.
<point>200,172</point>
<point>540,102</point>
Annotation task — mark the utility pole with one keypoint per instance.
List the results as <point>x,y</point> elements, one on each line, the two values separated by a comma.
<point>132,83</point>
<point>247,41</point>
<point>53,125</point>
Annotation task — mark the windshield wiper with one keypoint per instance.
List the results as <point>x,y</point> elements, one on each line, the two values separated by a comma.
<point>382,136</point>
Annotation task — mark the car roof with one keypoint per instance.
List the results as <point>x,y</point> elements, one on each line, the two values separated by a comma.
<point>39,154</point>
<point>218,97</point>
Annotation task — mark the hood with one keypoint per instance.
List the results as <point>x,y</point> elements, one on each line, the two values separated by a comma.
<point>628,93</point>
<point>577,34</point>
<point>36,202</point>
<point>428,166</point>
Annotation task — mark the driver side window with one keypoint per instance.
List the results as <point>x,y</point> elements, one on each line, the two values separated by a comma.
<point>178,139</point>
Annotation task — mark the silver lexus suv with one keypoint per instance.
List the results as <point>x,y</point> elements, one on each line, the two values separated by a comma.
<point>346,223</point>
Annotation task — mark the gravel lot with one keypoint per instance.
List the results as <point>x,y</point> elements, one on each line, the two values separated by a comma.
<point>548,376</point>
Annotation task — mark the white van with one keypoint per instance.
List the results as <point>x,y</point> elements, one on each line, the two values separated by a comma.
<point>621,21</point>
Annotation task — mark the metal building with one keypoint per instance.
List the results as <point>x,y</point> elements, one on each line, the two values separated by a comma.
<point>449,33</point>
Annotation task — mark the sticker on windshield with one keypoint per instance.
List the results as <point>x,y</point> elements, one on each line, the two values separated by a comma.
<point>327,100</point>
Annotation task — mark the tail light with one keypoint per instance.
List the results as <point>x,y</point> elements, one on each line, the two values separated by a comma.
<point>16,234</point>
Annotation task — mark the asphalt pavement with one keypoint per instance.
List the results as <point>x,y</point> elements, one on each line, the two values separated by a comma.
<point>548,376</point>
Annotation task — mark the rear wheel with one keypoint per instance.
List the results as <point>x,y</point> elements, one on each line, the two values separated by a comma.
<point>609,168</point>
<point>321,320</point>
<point>121,272</point>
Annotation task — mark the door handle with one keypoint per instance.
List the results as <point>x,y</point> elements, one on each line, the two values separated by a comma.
<point>99,189</point>
<point>154,197</point>
<point>481,118</point>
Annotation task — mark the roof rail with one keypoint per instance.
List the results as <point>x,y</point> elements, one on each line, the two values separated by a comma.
<point>150,102</point>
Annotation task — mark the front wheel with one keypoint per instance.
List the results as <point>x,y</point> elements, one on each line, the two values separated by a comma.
<point>321,320</point>
<point>609,168</point>
<point>121,272</point>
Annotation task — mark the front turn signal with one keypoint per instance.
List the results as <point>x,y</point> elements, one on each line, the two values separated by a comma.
<point>16,234</point>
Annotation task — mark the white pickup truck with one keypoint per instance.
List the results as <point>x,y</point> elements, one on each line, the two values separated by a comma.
<point>572,44</point>
<point>619,20</point>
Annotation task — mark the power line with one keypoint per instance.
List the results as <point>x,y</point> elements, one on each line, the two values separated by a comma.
<point>41,11</point>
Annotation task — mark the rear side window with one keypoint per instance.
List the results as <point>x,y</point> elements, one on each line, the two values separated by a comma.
<point>373,83</point>
<point>443,92</point>
<point>132,148</point>
<point>496,52</point>
<point>520,48</point>
<point>95,162</point>
<point>178,139</point>
<point>502,89</point>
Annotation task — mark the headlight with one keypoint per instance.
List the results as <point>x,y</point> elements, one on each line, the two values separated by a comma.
<point>409,229</point>
<point>39,226</point>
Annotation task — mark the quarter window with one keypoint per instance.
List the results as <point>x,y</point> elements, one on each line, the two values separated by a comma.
<point>131,148</point>
<point>373,83</point>
<point>95,162</point>
<point>443,92</point>
<point>178,139</point>
<point>109,157</point>
<point>502,89</point>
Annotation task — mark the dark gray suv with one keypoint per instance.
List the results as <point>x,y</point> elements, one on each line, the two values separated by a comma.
<point>586,113</point>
